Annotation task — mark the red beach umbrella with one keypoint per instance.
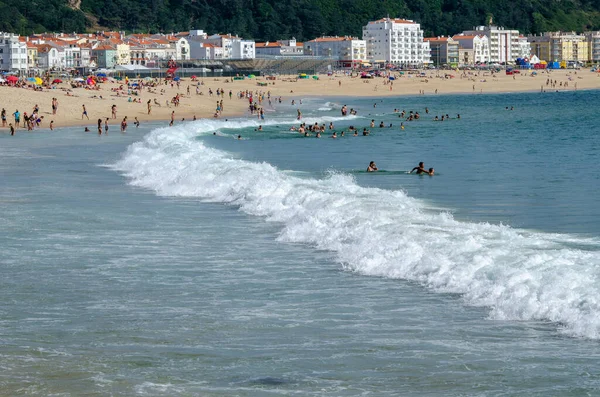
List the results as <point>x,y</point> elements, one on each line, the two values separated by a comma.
<point>12,79</point>
<point>56,81</point>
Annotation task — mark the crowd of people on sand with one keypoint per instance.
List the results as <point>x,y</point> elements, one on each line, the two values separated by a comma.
<point>30,121</point>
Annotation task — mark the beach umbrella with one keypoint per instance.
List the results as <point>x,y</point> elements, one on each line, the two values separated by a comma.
<point>176,79</point>
<point>79,79</point>
<point>56,81</point>
<point>148,78</point>
<point>32,79</point>
<point>12,79</point>
<point>101,74</point>
<point>38,81</point>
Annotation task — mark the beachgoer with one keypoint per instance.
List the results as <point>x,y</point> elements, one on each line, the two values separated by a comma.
<point>420,169</point>
<point>17,115</point>
<point>372,167</point>
<point>84,112</point>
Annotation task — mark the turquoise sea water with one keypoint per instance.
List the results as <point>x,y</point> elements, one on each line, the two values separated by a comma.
<point>171,261</point>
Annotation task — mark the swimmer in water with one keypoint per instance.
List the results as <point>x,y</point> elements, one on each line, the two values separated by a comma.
<point>420,169</point>
<point>431,172</point>
<point>372,167</point>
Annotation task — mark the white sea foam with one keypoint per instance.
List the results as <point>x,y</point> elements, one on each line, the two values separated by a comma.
<point>520,275</point>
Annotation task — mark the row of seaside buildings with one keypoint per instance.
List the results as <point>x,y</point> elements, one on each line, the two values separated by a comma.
<point>387,41</point>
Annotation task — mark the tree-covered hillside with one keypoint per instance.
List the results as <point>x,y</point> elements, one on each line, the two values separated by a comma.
<point>303,19</point>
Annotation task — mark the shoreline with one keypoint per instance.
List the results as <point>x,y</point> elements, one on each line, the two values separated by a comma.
<point>196,100</point>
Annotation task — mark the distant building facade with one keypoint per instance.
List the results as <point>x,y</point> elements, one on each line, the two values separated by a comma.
<point>473,49</point>
<point>395,41</point>
<point>505,45</point>
<point>347,50</point>
<point>13,53</point>
<point>560,47</point>
<point>444,51</point>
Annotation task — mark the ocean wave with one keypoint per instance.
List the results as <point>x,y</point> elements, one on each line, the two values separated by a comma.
<point>518,274</point>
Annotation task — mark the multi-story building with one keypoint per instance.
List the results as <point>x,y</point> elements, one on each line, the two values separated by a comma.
<point>279,48</point>
<point>593,39</point>
<point>473,48</point>
<point>50,57</point>
<point>525,47</point>
<point>243,49</point>
<point>395,41</point>
<point>13,53</point>
<point>104,55</point>
<point>444,51</point>
<point>32,55</point>
<point>505,45</point>
<point>348,50</point>
<point>206,51</point>
<point>220,46</point>
<point>560,47</point>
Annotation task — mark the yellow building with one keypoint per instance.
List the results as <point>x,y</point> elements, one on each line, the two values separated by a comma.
<point>593,39</point>
<point>32,54</point>
<point>560,46</point>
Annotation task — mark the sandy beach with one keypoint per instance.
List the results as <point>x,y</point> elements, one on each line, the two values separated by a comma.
<point>200,104</point>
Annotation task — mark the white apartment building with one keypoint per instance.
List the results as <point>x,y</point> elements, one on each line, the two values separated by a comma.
<point>346,49</point>
<point>205,51</point>
<point>182,49</point>
<point>396,41</point>
<point>524,47</point>
<point>479,44</point>
<point>243,49</point>
<point>13,53</point>
<point>220,46</point>
<point>50,57</point>
<point>279,48</point>
<point>505,44</point>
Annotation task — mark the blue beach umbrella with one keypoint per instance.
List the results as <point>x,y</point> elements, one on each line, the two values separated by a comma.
<point>101,74</point>
<point>176,78</point>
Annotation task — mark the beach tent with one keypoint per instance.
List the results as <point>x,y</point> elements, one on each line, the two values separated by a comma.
<point>553,65</point>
